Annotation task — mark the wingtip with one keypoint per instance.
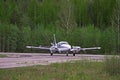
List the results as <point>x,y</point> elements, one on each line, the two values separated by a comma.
<point>99,47</point>
<point>28,46</point>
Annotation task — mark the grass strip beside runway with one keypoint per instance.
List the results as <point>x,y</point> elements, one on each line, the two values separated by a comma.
<point>80,70</point>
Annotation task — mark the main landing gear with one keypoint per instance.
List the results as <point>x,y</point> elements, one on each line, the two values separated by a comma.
<point>73,54</point>
<point>51,54</point>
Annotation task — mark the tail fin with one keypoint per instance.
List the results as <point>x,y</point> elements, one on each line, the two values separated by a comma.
<point>54,40</point>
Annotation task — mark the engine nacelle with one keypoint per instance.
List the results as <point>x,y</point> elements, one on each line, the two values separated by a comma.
<point>75,49</point>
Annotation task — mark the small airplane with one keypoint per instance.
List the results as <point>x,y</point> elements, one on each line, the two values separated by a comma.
<point>62,46</point>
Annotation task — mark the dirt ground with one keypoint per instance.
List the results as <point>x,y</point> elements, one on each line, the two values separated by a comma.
<point>29,59</point>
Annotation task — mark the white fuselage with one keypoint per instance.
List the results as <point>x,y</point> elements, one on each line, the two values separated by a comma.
<point>63,46</point>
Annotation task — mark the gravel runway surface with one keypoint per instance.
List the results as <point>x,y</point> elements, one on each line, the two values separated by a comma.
<point>29,59</point>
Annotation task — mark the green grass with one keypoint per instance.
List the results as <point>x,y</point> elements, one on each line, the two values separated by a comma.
<point>112,65</point>
<point>65,71</point>
<point>3,55</point>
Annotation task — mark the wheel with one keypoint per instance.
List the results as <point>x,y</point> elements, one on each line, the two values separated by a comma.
<point>67,54</point>
<point>51,54</point>
<point>73,54</point>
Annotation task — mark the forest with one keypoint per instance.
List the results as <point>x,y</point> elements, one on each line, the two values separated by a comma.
<point>86,23</point>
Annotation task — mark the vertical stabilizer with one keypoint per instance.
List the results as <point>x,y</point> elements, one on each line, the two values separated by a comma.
<point>54,40</point>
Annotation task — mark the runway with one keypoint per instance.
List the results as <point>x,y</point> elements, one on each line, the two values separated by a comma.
<point>29,59</point>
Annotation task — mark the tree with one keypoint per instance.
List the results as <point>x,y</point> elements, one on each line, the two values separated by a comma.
<point>82,12</point>
<point>8,37</point>
<point>66,15</point>
<point>116,21</point>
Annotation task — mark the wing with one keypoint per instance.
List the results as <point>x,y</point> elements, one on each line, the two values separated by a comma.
<point>92,48</point>
<point>76,49</point>
<point>39,47</point>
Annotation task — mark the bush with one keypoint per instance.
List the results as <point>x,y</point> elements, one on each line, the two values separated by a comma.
<point>109,40</point>
<point>8,37</point>
<point>23,39</point>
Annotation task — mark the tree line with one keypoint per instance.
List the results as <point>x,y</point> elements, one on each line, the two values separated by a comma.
<point>84,22</point>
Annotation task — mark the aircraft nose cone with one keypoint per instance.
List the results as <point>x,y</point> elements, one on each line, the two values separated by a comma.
<point>67,46</point>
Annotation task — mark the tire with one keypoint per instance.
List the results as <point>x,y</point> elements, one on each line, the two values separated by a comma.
<point>73,54</point>
<point>67,54</point>
<point>51,54</point>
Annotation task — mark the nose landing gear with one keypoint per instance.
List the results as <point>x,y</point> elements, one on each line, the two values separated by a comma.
<point>51,54</point>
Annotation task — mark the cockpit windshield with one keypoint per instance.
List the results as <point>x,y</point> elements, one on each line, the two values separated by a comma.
<point>62,42</point>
